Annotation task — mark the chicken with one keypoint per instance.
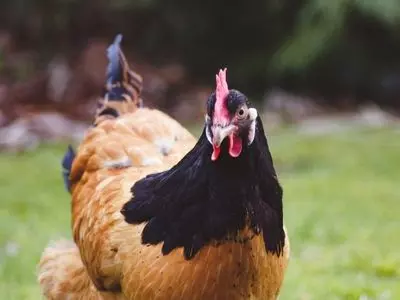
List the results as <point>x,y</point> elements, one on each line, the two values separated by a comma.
<point>156,215</point>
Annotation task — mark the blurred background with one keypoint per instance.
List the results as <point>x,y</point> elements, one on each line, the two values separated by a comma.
<point>324,74</point>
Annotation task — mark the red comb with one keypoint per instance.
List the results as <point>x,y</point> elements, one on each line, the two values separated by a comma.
<point>221,93</point>
<point>222,86</point>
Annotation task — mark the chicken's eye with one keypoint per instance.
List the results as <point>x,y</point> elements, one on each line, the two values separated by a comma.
<point>242,113</point>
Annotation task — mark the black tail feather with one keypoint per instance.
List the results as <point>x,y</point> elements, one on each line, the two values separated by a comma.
<point>122,90</point>
<point>120,78</point>
<point>115,68</point>
<point>67,165</point>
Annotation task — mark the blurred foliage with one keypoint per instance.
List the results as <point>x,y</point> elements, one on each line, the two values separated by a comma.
<point>321,22</point>
<point>334,48</point>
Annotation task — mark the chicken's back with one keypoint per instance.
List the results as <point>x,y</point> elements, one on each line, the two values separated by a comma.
<point>113,156</point>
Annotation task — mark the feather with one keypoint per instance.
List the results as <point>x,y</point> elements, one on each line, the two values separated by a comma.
<point>115,68</point>
<point>122,88</point>
<point>66,163</point>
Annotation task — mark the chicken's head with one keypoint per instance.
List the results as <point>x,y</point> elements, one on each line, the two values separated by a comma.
<point>229,117</point>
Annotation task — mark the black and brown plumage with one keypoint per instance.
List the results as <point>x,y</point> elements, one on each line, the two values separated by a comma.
<point>123,86</point>
<point>157,215</point>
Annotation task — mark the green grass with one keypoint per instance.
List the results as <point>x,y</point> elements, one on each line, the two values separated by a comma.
<point>341,203</point>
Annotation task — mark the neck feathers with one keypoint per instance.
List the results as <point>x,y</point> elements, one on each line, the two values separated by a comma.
<point>199,201</point>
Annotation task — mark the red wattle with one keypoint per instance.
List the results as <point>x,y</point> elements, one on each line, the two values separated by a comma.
<point>216,152</point>
<point>235,145</point>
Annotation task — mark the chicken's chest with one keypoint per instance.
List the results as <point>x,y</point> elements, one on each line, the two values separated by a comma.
<point>232,270</point>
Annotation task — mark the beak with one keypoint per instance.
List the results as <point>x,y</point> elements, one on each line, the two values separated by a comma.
<point>220,133</point>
